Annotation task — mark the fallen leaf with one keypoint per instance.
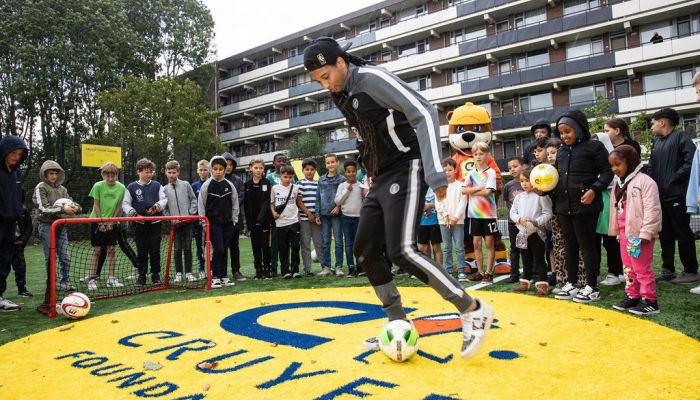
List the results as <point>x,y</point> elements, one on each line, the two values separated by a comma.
<point>415,302</point>
<point>217,301</point>
<point>153,366</point>
<point>273,344</point>
<point>211,344</point>
<point>206,387</point>
<point>543,344</point>
<point>115,321</point>
<point>66,328</point>
<point>264,303</point>
<point>512,323</point>
<point>207,365</point>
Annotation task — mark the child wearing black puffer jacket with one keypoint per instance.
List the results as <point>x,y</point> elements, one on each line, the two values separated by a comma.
<point>584,173</point>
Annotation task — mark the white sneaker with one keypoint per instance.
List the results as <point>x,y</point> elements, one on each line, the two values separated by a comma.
<point>227,282</point>
<point>92,284</point>
<point>325,272</point>
<point>610,280</point>
<point>85,278</point>
<point>215,283</point>
<point>557,288</point>
<point>189,277</point>
<point>587,295</point>
<point>567,292</point>
<point>134,275</point>
<point>339,272</point>
<point>8,306</point>
<point>475,326</point>
<point>695,290</point>
<point>202,274</point>
<point>113,282</point>
<point>178,277</point>
<point>371,344</point>
<point>462,277</point>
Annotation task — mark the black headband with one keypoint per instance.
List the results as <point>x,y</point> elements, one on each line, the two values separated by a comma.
<point>323,51</point>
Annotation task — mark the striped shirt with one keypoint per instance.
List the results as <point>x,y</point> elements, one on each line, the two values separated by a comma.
<point>307,192</point>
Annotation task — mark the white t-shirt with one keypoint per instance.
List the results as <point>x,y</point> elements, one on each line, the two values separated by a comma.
<point>278,195</point>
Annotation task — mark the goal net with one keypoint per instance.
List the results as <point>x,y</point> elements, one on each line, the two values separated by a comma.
<point>110,257</point>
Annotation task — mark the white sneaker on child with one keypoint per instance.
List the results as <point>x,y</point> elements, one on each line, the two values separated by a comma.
<point>189,277</point>
<point>215,283</point>
<point>202,274</point>
<point>92,284</point>
<point>227,282</point>
<point>114,282</point>
<point>475,326</point>
<point>610,280</point>
<point>178,277</point>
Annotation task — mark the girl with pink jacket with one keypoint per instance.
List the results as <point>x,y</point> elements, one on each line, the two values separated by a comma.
<point>635,217</point>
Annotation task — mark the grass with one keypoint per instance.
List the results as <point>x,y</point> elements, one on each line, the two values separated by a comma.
<point>680,309</point>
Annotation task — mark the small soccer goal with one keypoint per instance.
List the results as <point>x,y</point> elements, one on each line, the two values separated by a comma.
<point>111,257</point>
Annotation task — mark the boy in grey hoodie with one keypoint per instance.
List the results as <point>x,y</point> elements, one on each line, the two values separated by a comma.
<point>46,193</point>
<point>181,201</point>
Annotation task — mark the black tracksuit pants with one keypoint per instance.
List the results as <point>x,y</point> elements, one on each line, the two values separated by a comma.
<point>389,218</point>
<point>288,247</point>
<point>260,242</point>
<point>675,225</point>
<point>514,250</point>
<point>147,238</point>
<point>579,233</point>
<point>612,249</point>
<point>20,267</point>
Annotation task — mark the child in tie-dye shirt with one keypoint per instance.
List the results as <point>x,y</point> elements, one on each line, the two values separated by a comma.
<point>479,186</point>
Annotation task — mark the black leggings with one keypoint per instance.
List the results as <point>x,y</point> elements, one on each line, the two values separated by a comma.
<point>579,233</point>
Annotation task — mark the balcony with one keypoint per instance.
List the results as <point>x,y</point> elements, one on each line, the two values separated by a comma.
<point>529,118</point>
<point>627,8</point>
<point>650,51</point>
<point>315,118</point>
<point>672,97</point>
<point>225,83</point>
<point>266,157</point>
<point>340,146</point>
<point>428,57</point>
<point>304,88</point>
<point>421,22</point>
<point>254,130</point>
<point>255,102</point>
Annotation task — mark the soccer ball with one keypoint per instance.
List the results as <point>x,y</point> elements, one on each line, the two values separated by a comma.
<point>398,340</point>
<point>314,256</point>
<point>74,306</point>
<point>63,202</point>
<point>544,177</point>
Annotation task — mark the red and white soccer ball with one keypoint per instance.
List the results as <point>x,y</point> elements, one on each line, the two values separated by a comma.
<point>74,306</point>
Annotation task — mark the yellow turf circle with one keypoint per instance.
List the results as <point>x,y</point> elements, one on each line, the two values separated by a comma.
<point>306,344</point>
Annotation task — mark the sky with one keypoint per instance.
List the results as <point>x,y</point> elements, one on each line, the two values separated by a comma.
<point>241,25</point>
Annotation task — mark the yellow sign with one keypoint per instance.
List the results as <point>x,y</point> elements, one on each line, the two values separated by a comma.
<point>307,344</point>
<point>299,171</point>
<point>94,155</point>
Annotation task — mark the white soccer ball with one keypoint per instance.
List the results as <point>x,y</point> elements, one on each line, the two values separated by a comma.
<point>74,306</point>
<point>544,177</point>
<point>62,202</point>
<point>398,340</point>
<point>314,256</point>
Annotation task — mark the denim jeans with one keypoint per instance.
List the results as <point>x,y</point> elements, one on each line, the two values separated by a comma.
<point>456,233</point>
<point>61,249</point>
<point>333,223</point>
<point>349,230</point>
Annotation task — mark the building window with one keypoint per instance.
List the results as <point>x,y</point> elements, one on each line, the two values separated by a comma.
<point>618,41</point>
<point>584,48</point>
<point>660,80</point>
<point>530,17</point>
<point>502,26</point>
<point>292,51</point>
<point>586,94</point>
<point>536,102</point>
<point>686,76</point>
<point>621,89</point>
<point>268,146</point>
<point>421,9</point>
<point>577,6</point>
<point>294,111</point>
<point>419,83</point>
<point>264,61</point>
<point>683,26</point>
<point>409,49</point>
<point>507,107</point>
<point>533,58</point>
<point>504,67</point>
<point>509,149</point>
<point>338,134</point>
<point>467,34</point>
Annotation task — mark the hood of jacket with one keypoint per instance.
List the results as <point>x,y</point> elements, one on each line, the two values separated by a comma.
<point>228,156</point>
<point>10,143</point>
<point>541,123</point>
<point>211,164</point>
<point>50,164</point>
<point>582,134</point>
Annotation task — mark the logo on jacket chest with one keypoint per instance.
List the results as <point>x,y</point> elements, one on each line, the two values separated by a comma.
<point>355,103</point>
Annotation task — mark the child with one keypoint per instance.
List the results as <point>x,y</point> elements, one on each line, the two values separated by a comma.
<point>510,190</point>
<point>553,145</point>
<point>14,152</point>
<point>181,201</point>
<point>349,198</point>
<point>22,235</point>
<point>278,161</point>
<point>257,216</point>
<point>428,233</point>
<point>583,174</point>
<point>310,224</point>
<point>233,246</point>
<point>635,217</point>
<point>540,151</point>
<point>203,173</point>
<point>451,218</point>
<point>330,217</point>
<point>146,198</point>
<point>283,204</point>
<point>45,195</point>
<point>531,213</point>
<point>107,196</point>
<point>218,201</point>
<point>480,186</point>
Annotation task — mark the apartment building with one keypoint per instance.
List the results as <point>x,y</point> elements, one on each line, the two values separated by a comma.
<point>522,60</point>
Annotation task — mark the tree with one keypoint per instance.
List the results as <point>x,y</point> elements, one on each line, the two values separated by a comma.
<point>154,119</point>
<point>308,145</point>
<point>639,128</point>
<point>600,111</point>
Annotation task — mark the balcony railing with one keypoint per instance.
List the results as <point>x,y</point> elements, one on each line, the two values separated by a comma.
<point>528,118</point>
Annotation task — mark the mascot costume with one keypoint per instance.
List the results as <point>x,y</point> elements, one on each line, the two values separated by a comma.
<point>469,124</point>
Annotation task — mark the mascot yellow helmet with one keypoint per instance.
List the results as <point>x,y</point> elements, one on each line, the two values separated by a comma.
<point>469,114</point>
<point>468,124</point>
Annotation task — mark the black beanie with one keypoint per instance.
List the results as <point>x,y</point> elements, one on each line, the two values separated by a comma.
<point>668,113</point>
<point>323,51</point>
